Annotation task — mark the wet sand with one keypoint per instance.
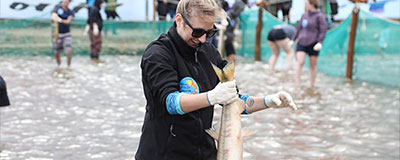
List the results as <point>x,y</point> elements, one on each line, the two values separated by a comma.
<point>96,110</point>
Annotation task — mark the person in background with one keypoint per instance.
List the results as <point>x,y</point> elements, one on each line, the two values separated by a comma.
<point>165,7</point>
<point>171,6</point>
<point>224,5</point>
<point>96,25</point>
<point>181,88</point>
<point>221,22</point>
<point>285,7</point>
<point>90,4</point>
<point>233,15</point>
<point>310,33</point>
<point>162,9</point>
<point>3,93</point>
<point>281,37</point>
<point>64,16</point>
<point>111,14</point>
<point>273,7</point>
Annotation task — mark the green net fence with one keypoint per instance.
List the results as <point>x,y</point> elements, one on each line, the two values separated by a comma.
<point>377,57</point>
<point>377,53</point>
<point>248,23</point>
<point>33,37</point>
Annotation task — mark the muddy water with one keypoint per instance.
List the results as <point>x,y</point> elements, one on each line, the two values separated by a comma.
<point>95,111</point>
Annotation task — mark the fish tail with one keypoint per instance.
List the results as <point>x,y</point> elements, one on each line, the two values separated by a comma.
<point>227,73</point>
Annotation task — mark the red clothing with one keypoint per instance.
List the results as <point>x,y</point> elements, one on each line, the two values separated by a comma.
<point>95,43</point>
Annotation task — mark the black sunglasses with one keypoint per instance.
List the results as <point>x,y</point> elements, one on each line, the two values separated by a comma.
<point>198,32</point>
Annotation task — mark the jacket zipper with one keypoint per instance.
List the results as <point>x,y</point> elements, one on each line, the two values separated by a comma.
<point>195,56</point>
<point>198,113</point>
<point>201,135</point>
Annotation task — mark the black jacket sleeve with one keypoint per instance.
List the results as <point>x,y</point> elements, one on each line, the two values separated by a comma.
<point>3,93</point>
<point>93,15</point>
<point>158,72</point>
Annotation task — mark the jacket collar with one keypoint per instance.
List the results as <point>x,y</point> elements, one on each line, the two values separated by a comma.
<point>185,50</point>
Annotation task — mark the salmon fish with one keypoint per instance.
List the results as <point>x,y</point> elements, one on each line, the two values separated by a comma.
<point>228,132</point>
<point>54,31</point>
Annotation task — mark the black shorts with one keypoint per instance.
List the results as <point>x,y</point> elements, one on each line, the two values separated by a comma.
<point>285,8</point>
<point>276,34</point>
<point>308,49</point>
<point>162,9</point>
<point>111,14</point>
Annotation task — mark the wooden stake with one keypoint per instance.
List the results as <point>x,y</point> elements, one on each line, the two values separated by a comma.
<point>352,38</point>
<point>257,55</point>
<point>221,41</point>
<point>147,10</point>
<point>154,10</point>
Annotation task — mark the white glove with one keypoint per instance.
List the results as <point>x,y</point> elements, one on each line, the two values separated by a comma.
<point>223,93</point>
<point>317,46</point>
<point>281,99</point>
<point>95,30</point>
<point>53,16</point>
<point>56,18</point>
<point>85,32</point>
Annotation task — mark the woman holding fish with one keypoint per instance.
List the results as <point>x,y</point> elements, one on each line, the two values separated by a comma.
<point>181,88</point>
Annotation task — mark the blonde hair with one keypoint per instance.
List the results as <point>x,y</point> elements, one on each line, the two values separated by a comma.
<point>193,8</point>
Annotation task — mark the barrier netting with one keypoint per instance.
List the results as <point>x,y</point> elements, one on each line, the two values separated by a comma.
<point>33,37</point>
<point>376,53</point>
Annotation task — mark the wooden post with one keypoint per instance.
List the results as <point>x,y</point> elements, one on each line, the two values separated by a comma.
<point>257,55</point>
<point>352,38</point>
<point>147,10</point>
<point>154,10</point>
<point>221,41</point>
<point>222,17</point>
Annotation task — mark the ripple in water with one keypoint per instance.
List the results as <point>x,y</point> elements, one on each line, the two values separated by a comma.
<point>95,111</point>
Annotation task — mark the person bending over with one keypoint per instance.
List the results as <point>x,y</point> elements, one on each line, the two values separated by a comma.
<point>281,37</point>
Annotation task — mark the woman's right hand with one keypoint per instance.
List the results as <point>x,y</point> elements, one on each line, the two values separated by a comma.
<point>223,93</point>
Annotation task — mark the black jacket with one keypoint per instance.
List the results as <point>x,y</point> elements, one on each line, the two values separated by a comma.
<point>165,63</point>
<point>95,17</point>
<point>3,93</point>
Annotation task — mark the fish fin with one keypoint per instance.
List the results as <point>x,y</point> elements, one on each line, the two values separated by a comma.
<point>229,71</point>
<point>213,133</point>
<point>246,132</point>
<point>219,73</point>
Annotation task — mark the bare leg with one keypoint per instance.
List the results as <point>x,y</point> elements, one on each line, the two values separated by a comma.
<point>69,57</point>
<point>275,54</point>
<point>58,59</point>
<point>313,69</point>
<point>300,57</point>
<point>284,44</point>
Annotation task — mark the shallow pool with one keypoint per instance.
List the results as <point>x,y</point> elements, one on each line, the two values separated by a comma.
<point>96,110</point>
